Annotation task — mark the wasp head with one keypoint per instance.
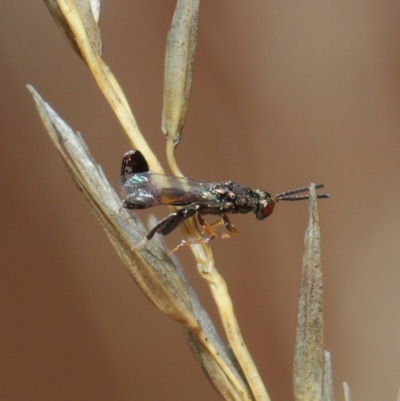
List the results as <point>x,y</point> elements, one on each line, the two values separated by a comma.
<point>264,205</point>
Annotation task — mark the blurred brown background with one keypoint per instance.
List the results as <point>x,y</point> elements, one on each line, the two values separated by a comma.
<point>284,93</point>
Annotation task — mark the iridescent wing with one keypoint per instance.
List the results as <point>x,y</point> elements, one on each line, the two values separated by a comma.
<point>148,189</point>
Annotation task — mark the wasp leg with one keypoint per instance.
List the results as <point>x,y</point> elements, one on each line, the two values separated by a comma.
<point>168,224</point>
<point>229,226</point>
<point>210,228</point>
<point>139,245</point>
<point>132,206</point>
<point>190,242</point>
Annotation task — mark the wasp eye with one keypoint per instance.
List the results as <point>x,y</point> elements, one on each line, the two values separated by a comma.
<point>267,208</point>
<point>264,208</point>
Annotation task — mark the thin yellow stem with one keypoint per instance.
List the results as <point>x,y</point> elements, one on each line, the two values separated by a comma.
<point>107,83</point>
<point>224,303</point>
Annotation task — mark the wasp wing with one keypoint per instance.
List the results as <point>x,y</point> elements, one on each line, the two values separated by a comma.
<point>148,189</point>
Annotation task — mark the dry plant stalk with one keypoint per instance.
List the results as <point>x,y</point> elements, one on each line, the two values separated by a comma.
<point>73,21</point>
<point>327,393</point>
<point>347,395</point>
<point>229,381</point>
<point>233,374</point>
<point>179,59</point>
<point>152,270</point>
<point>309,353</point>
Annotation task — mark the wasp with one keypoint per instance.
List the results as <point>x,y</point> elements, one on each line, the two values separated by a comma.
<point>142,189</point>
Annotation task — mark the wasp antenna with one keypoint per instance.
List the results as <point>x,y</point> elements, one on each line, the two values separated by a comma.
<point>293,198</point>
<point>297,190</point>
<point>287,194</point>
<point>291,192</point>
<point>301,197</point>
